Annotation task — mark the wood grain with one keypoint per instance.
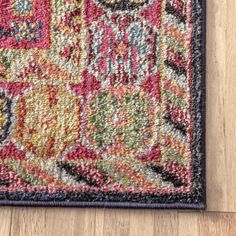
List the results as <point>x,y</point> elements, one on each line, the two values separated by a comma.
<point>209,224</point>
<point>113,222</point>
<point>216,110</point>
<point>221,164</point>
<point>5,220</point>
<point>28,221</point>
<point>221,105</point>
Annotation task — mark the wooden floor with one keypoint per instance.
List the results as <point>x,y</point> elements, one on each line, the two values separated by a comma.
<point>221,164</point>
<point>116,222</point>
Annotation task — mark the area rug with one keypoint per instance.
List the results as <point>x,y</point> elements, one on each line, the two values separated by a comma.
<point>102,103</point>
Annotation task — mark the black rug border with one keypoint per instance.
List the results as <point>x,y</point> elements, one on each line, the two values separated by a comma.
<point>194,200</point>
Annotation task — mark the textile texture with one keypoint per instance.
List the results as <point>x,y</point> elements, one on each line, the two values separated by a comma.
<point>102,103</point>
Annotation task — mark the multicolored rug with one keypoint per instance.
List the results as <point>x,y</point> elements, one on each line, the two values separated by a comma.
<point>102,103</point>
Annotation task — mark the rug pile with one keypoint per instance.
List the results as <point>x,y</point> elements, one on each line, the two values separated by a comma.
<point>102,103</point>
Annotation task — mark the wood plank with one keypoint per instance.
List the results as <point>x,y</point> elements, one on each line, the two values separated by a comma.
<point>84,221</point>
<point>60,221</point>
<point>100,221</point>
<point>230,104</point>
<point>188,224</point>
<point>216,110</point>
<point>116,222</point>
<point>207,224</point>
<point>216,224</point>
<point>70,221</point>
<point>221,106</point>
<point>5,221</point>
<point>141,222</point>
<point>28,221</point>
<point>166,223</point>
